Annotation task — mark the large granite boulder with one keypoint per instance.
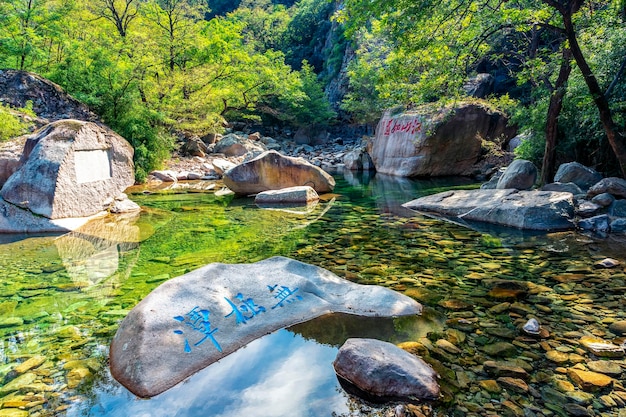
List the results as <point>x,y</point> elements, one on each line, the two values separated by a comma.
<point>435,142</point>
<point>273,171</point>
<point>530,210</point>
<point>194,320</point>
<point>521,175</point>
<point>577,173</point>
<point>75,169</point>
<point>381,371</point>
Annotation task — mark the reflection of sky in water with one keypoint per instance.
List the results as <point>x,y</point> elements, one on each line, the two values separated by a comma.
<point>281,374</point>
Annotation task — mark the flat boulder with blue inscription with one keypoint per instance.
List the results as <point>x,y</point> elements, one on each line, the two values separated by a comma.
<point>191,321</point>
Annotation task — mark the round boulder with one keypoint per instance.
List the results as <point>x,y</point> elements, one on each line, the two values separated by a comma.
<point>577,173</point>
<point>273,171</point>
<point>381,371</point>
<point>521,175</point>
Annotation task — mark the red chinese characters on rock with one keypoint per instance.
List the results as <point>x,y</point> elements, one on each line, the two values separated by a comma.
<point>411,126</point>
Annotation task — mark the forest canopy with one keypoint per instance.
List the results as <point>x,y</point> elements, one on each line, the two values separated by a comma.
<point>153,69</point>
<point>158,69</point>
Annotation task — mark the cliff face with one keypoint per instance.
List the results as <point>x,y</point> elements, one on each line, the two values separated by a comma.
<point>339,53</point>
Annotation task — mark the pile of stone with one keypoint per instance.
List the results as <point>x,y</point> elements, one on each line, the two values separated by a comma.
<point>579,198</point>
<point>208,158</point>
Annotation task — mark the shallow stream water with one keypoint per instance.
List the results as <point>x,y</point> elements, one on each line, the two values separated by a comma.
<point>61,298</point>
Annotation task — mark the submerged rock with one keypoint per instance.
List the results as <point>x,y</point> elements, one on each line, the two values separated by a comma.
<point>381,371</point>
<point>532,210</point>
<point>292,195</point>
<point>194,320</point>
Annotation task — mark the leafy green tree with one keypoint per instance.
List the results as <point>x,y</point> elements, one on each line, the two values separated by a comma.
<point>27,29</point>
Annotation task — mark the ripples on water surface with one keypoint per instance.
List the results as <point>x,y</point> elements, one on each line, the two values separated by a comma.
<point>61,298</point>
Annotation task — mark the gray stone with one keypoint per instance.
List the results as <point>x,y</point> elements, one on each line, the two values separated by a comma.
<point>493,181</point>
<point>618,225</point>
<point>123,205</point>
<point>603,200</point>
<point>521,175</point>
<point>434,141</point>
<point>222,165</point>
<point>8,166</point>
<point>532,210</point>
<point>568,187</point>
<point>587,208</point>
<point>194,147</point>
<point>618,208</point>
<point>358,160</point>
<point>75,169</point>
<point>292,195</point>
<point>382,371</point>
<point>612,185</point>
<point>191,321</point>
<point>17,220</point>
<point>233,145</point>
<point>165,175</point>
<point>577,173</point>
<point>595,224</point>
<point>273,171</point>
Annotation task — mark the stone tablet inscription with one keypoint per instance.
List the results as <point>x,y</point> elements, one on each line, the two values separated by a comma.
<point>243,310</point>
<point>92,165</point>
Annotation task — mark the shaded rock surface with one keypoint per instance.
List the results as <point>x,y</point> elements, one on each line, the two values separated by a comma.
<point>577,173</point>
<point>532,210</point>
<point>75,169</point>
<point>521,175</point>
<point>612,185</point>
<point>50,102</point>
<point>383,371</point>
<point>434,143</point>
<point>273,171</point>
<point>194,320</point>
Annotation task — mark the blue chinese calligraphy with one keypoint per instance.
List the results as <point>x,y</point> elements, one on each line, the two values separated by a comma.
<point>198,320</point>
<point>284,295</point>
<point>245,311</point>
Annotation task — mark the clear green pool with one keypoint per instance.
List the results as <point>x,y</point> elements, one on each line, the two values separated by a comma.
<point>61,298</point>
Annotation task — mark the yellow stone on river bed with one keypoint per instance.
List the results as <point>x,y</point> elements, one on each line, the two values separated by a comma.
<point>589,381</point>
<point>557,357</point>
<point>491,266</point>
<point>13,412</point>
<point>29,364</point>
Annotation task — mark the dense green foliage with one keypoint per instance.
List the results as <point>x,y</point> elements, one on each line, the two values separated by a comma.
<point>412,52</point>
<point>157,69</point>
<point>11,124</point>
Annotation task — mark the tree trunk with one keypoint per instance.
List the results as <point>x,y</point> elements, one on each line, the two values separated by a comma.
<point>552,123</point>
<point>616,140</point>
